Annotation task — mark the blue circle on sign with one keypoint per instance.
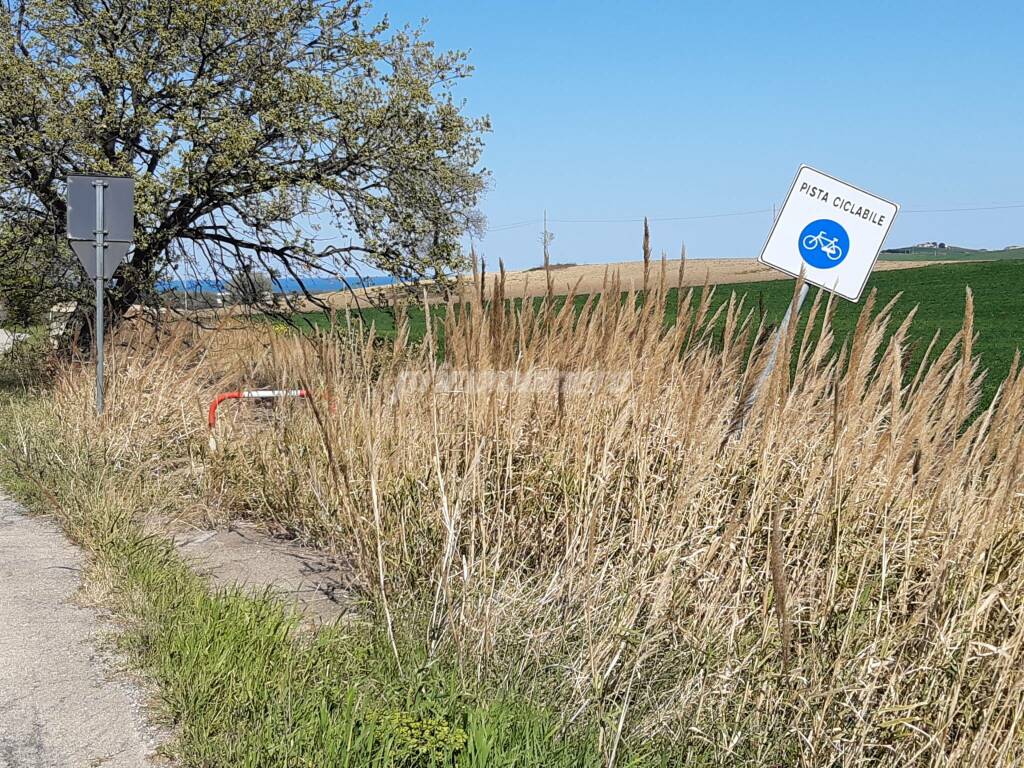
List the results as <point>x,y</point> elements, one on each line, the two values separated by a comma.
<point>824,244</point>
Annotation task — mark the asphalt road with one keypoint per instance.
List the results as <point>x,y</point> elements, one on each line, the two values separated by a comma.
<point>62,702</point>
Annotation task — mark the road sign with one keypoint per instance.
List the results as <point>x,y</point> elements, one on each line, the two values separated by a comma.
<point>831,230</point>
<point>118,207</point>
<point>113,255</point>
<point>118,216</point>
<point>101,221</point>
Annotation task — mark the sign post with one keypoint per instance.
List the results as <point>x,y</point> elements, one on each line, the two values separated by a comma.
<point>99,186</point>
<point>101,224</point>
<point>829,231</point>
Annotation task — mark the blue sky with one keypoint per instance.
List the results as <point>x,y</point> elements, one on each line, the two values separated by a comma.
<point>673,110</point>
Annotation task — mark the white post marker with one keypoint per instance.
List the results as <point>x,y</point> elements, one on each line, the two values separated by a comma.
<point>832,232</point>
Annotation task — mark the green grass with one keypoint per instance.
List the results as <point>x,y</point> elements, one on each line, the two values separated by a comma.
<point>937,291</point>
<point>952,253</point>
<point>243,684</point>
<point>240,681</point>
<point>29,362</point>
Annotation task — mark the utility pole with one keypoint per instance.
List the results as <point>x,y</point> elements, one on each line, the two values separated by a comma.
<point>547,237</point>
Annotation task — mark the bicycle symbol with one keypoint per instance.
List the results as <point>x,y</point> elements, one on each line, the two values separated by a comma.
<point>824,243</point>
<point>829,246</point>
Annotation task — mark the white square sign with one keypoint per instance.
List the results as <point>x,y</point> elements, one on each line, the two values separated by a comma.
<point>831,230</point>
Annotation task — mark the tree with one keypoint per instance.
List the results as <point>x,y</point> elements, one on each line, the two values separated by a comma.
<point>285,136</point>
<point>30,279</point>
<point>250,289</point>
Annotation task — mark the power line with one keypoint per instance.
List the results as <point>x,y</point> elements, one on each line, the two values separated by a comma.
<point>640,219</point>
<point>955,210</point>
<point>731,214</point>
<point>515,225</point>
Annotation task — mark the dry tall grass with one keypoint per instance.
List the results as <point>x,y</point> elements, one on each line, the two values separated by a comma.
<point>559,506</point>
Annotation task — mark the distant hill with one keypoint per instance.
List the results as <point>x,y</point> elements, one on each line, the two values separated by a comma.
<point>284,285</point>
<point>929,252</point>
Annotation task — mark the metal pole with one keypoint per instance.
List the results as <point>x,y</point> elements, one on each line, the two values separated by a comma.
<point>100,233</point>
<point>780,333</point>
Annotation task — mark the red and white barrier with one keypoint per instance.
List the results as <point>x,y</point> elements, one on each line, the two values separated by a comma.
<point>259,394</point>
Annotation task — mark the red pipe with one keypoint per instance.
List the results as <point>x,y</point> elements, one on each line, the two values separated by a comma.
<point>263,394</point>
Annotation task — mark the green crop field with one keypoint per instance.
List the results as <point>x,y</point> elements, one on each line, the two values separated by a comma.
<point>937,291</point>
<point>950,253</point>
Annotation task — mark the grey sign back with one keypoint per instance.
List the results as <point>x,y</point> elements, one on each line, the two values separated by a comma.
<point>118,220</point>
<point>118,208</point>
<point>113,255</point>
<point>101,223</point>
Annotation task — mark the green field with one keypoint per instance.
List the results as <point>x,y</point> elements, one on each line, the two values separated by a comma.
<point>951,253</point>
<point>937,291</point>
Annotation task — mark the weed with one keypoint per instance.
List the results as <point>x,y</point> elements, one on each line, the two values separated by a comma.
<point>561,556</point>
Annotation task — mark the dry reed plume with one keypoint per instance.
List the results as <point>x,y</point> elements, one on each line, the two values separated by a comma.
<point>558,506</point>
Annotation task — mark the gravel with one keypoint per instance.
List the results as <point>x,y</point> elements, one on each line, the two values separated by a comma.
<point>62,700</point>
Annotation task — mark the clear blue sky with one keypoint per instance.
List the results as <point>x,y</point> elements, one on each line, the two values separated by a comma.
<point>620,110</point>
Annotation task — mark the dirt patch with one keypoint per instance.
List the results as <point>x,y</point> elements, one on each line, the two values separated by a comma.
<point>241,554</point>
<point>591,278</point>
<point>552,267</point>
